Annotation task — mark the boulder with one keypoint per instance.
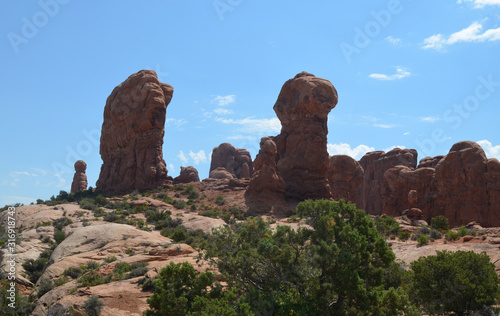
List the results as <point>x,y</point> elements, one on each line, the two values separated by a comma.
<point>132,135</point>
<point>187,175</point>
<point>220,173</point>
<point>80,178</point>
<point>302,158</point>
<point>429,162</point>
<point>233,160</point>
<point>267,189</point>
<point>345,177</point>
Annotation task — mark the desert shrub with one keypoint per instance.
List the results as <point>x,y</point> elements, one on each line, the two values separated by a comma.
<point>61,281</point>
<point>147,284</point>
<point>137,272</point>
<point>91,279</point>
<point>424,230</point>
<point>404,235</point>
<point>73,272</point>
<point>34,268</point>
<point>191,192</point>
<point>211,213</point>
<point>456,282</point>
<point>110,259</point>
<point>220,200</point>
<point>59,310</point>
<point>462,231</point>
<point>451,235</point>
<point>435,234</point>
<point>46,253</point>
<point>45,286</point>
<point>387,225</point>
<point>129,251</point>
<point>59,236</point>
<point>179,204</point>
<point>92,265</point>
<point>24,305</point>
<point>101,200</point>
<point>440,223</point>
<point>423,240</point>
<point>93,306</point>
<point>62,222</point>
<point>179,235</point>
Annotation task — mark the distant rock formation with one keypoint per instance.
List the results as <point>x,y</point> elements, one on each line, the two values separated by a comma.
<point>187,175</point>
<point>464,187</point>
<point>237,162</point>
<point>375,164</point>
<point>302,158</point>
<point>267,189</point>
<point>132,135</point>
<point>346,177</point>
<point>80,178</point>
<point>429,162</point>
<point>220,173</point>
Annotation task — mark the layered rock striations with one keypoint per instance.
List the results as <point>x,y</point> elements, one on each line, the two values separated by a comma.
<point>80,178</point>
<point>302,158</point>
<point>237,162</point>
<point>132,135</point>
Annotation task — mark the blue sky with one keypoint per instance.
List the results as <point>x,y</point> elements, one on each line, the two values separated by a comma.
<point>420,74</point>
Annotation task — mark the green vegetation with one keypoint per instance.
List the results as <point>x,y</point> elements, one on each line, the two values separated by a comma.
<point>387,225</point>
<point>34,268</point>
<point>440,223</point>
<point>23,306</point>
<point>45,286</point>
<point>456,282</point>
<point>93,306</point>
<point>423,240</point>
<point>220,200</point>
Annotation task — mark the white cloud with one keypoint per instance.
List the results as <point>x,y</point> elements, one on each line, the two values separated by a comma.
<point>481,3</point>
<point>384,125</point>
<point>345,149</point>
<point>251,125</point>
<point>224,100</point>
<point>392,147</point>
<point>430,119</point>
<point>472,33</point>
<point>177,122</point>
<point>171,168</point>
<point>400,74</point>
<point>407,133</point>
<point>23,173</point>
<point>490,150</point>
<point>222,111</point>
<point>392,40</point>
<point>198,157</point>
<point>182,157</point>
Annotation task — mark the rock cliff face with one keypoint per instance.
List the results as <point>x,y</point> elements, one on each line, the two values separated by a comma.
<point>237,162</point>
<point>132,135</point>
<point>302,158</point>
<point>80,178</point>
<point>464,187</point>
<point>346,177</point>
<point>267,189</point>
<point>375,164</point>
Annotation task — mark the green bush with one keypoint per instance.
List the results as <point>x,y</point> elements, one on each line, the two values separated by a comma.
<point>404,235</point>
<point>440,223</point>
<point>62,222</point>
<point>45,286</point>
<point>220,200</point>
<point>91,279</point>
<point>423,240</point>
<point>101,200</point>
<point>462,231</point>
<point>191,192</point>
<point>179,204</point>
<point>59,236</point>
<point>93,306</point>
<point>92,265</point>
<point>73,272</point>
<point>34,268</point>
<point>387,225</point>
<point>435,234</point>
<point>451,235</point>
<point>179,235</point>
<point>110,259</point>
<point>456,282</point>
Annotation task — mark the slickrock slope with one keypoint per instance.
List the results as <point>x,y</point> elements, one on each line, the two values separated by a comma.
<point>132,135</point>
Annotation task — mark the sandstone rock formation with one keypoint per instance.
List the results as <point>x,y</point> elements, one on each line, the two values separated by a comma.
<point>80,178</point>
<point>220,173</point>
<point>429,162</point>
<point>375,164</point>
<point>237,162</point>
<point>132,135</point>
<point>302,158</point>
<point>187,175</point>
<point>267,189</point>
<point>345,176</point>
<point>464,187</point>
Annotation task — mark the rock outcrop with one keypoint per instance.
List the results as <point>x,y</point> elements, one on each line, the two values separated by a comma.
<point>267,189</point>
<point>302,158</point>
<point>345,177</point>
<point>375,164</point>
<point>429,162</point>
<point>187,175</point>
<point>237,162</point>
<point>80,178</point>
<point>464,187</point>
<point>220,173</point>
<point>132,135</point>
